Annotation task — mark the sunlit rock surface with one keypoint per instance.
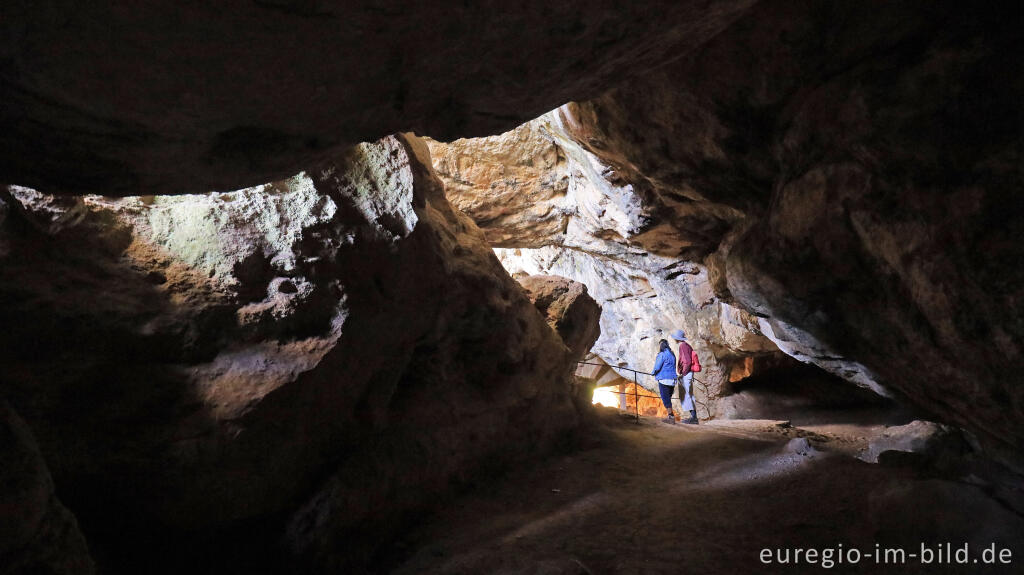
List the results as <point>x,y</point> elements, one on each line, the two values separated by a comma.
<point>642,300</point>
<point>169,98</point>
<point>334,338</point>
<point>603,239</point>
<point>514,185</point>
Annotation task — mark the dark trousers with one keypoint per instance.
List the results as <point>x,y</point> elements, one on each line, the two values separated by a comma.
<point>666,395</point>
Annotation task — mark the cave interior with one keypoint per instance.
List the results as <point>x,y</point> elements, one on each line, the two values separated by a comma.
<point>362,287</point>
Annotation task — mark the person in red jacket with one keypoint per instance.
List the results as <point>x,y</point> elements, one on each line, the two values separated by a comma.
<point>685,378</point>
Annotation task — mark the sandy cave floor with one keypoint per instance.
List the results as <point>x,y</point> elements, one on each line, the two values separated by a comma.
<point>658,498</point>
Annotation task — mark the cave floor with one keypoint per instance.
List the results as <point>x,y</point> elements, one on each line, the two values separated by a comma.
<point>658,498</point>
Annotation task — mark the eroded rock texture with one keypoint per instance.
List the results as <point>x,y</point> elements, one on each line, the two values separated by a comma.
<point>568,309</point>
<point>165,98</point>
<point>514,185</point>
<point>873,153</point>
<point>341,342</point>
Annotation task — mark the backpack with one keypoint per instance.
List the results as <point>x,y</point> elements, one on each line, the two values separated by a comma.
<point>694,362</point>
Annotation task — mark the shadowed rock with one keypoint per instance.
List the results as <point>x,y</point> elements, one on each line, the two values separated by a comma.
<point>567,308</point>
<point>37,533</point>
<point>123,99</point>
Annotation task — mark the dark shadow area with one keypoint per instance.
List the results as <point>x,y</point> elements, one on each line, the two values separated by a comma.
<point>805,394</point>
<point>719,502</point>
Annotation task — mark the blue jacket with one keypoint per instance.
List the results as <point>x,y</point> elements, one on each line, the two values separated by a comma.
<point>665,366</point>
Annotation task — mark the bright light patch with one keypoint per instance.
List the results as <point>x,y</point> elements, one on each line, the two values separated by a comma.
<point>606,396</point>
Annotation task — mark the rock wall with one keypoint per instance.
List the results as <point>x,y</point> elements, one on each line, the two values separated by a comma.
<point>872,150</point>
<point>642,301</point>
<point>337,347</point>
<point>514,185</point>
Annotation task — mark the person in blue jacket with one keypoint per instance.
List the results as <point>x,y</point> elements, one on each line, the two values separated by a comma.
<point>665,373</point>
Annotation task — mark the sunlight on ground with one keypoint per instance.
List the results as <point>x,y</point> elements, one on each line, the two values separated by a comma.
<point>606,396</point>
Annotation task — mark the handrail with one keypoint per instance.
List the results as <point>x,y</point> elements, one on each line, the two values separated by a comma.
<point>612,366</point>
<point>636,406</point>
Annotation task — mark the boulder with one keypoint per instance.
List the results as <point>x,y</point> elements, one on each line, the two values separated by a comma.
<point>567,308</point>
<point>206,362</point>
<point>927,438</point>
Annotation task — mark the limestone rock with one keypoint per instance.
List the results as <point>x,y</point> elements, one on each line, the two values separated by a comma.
<point>513,185</point>
<point>37,534</point>
<point>165,98</point>
<point>197,362</point>
<point>642,300</point>
<point>567,308</point>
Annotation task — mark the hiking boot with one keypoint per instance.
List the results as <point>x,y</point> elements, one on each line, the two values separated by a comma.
<point>670,419</point>
<point>691,421</point>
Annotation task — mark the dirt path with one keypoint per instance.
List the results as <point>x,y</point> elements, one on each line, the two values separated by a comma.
<point>655,498</point>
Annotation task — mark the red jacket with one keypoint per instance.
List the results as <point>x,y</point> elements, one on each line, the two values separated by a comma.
<point>685,358</point>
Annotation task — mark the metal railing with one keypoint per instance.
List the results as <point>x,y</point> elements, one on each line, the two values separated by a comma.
<point>636,386</point>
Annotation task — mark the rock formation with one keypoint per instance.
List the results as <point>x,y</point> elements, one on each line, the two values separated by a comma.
<point>574,316</point>
<point>165,98</point>
<point>926,438</point>
<point>844,174</point>
<point>568,309</point>
<point>514,185</point>
<point>872,151</point>
<point>342,338</point>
